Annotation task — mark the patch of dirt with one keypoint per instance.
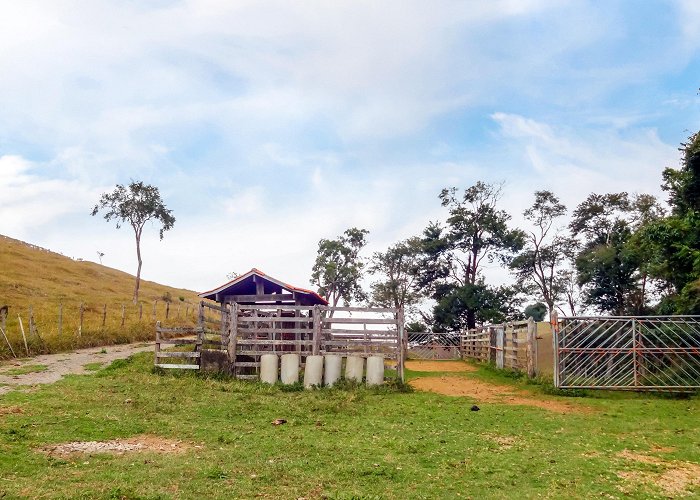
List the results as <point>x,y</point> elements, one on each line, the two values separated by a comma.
<point>10,410</point>
<point>676,479</point>
<point>422,365</point>
<point>503,442</point>
<point>59,365</point>
<point>492,393</point>
<point>118,446</point>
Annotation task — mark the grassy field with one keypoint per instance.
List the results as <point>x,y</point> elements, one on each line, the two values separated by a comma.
<point>214,438</point>
<point>32,276</point>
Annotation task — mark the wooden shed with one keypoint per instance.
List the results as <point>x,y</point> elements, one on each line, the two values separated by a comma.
<point>257,288</point>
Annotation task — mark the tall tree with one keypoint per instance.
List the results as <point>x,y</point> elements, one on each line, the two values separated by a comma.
<point>135,204</point>
<point>399,267</point>
<point>610,267</point>
<point>541,266</point>
<point>338,268</point>
<point>477,232</point>
<point>673,243</point>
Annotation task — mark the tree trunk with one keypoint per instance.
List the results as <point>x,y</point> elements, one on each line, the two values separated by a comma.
<point>138,271</point>
<point>471,319</point>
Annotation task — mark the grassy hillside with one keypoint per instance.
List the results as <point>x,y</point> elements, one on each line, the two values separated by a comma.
<point>34,277</point>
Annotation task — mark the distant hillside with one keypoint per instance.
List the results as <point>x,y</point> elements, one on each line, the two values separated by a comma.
<point>34,276</point>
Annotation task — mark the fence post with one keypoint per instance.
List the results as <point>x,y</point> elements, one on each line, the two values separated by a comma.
<point>401,332</point>
<point>140,311</point>
<point>32,323</point>
<point>60,319</point>
<point>531,351</point>
<point>123,314</point>
<point>554,322</point>
<point>317,331</point>
<point>24,337</point>
<point>104,315</point>
<point>157,345</point>
<point>80,325</point>
<point>232,336</point>
<point>167,310</point>
<point>155,303</point>
<point>635,353</point>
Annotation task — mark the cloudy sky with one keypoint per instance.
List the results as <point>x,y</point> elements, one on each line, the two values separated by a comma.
<point>270,125</point>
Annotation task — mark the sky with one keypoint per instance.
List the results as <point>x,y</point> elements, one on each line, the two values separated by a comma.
<point>270,125</point>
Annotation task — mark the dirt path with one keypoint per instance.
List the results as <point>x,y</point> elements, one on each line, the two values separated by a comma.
<point>49,368</point>
<point>481,391</point>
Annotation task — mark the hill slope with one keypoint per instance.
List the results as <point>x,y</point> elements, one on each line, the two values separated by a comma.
<point>34,277</point>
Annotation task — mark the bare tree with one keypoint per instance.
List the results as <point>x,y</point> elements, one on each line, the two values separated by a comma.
<point>135,205</point>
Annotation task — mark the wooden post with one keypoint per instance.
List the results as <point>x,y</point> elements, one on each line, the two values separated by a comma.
<point>123,314</point>
<point>167,310</point>
<point>233,337</point>
<point>3,320</point>
<point>157,345</point>
<point>316,312</point>
<point>24,337</point>
<point>104,315</point>
<point>531,352</point>
<point>554,322</point>
<point>155,303</point>
<point>401,334</point>
<point>60,319</point>
<point>178,311</point>
<point>200,316</point>
<point>2,329</point>
<point>32,324</point>
<point>140,311</point>
<point>80,325</point>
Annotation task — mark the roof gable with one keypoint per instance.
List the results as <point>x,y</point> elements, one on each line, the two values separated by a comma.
<point>248,284</point>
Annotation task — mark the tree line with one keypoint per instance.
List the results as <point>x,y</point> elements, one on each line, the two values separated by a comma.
<point>619,254</point>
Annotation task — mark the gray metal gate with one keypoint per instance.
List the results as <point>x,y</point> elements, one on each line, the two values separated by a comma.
<point>624,352</point>
<point>427,345</point>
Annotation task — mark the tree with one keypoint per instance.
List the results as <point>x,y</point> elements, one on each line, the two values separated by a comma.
<point>536,311</point>
<point>672,244</point>
<point>453,257</point>
<point>399,266</point>
<point>610,267</point>
<point>338,268</point>
<point>135,205</point>
<point>540,267</point>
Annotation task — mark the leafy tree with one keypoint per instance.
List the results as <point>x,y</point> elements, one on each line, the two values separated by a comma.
<point>338,268</point>
<point>610,267</point>
<point>135,205</point>
<point>536,311</point>
<point>672,244</point>
<point>477,232</point>
<point>541,266</point>
<point>399,266</point>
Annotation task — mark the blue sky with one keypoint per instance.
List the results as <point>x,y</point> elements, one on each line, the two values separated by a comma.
<point>270,125</point>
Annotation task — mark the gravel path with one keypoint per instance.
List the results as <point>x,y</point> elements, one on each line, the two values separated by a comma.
<point>58,365</point>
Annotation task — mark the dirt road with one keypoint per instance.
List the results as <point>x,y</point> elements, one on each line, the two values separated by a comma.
<point>49,368</point>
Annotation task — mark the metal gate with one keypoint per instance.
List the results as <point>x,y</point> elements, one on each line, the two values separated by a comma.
<point>622,352</point>
<point>426,345</point>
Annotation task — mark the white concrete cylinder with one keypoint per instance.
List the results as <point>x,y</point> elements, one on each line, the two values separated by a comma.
<point>375,370</point>
<point>313,373</point>
<point>333,366</point>
<point>269,364</point>
<point>354,368</point>
<point>290,369</point>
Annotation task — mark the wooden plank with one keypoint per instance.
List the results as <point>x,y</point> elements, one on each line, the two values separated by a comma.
<point>359,321</point>
<point>376,310</point>
<point>317,330</point>
<point>215,307</point>
<point>275,307</point>
<point>233,338</point>
<point>172,354</point>
<point>333,331</point>
<point>273,330</point>
<point>247,364</point>
<point>178,341</point>
<point>271,319</point>
<point>177,367</point>
<point>268,297</point>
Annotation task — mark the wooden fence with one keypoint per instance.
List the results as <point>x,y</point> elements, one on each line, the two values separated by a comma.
<point>510,345</point>
<point>233,337</point>
<point>47,328</point>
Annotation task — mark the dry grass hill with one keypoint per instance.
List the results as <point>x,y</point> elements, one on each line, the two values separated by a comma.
<point>45,285</point>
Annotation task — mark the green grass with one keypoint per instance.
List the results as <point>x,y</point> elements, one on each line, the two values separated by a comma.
<point>346,442</point>
<point>93,367</point>
<point>23,370</point>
